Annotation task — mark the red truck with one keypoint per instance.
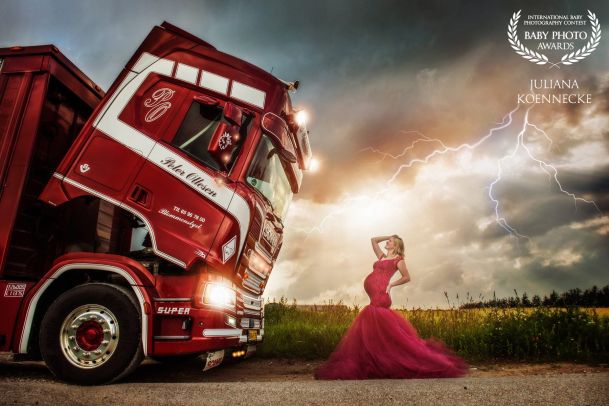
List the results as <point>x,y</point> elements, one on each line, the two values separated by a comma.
<point>144,221</point>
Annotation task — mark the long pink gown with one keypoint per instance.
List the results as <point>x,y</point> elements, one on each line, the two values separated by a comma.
<point>381,343</point>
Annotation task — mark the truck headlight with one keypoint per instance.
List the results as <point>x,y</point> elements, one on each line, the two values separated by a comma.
<point>230,320</point>
<point>301,117</point>
<point>219,295</point>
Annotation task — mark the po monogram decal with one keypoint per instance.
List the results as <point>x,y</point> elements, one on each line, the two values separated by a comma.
<point>158,103</point>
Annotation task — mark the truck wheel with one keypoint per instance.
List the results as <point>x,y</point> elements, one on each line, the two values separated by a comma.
<point>91,334</point>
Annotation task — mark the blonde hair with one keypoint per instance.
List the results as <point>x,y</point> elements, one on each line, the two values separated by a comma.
<point>398,245</point>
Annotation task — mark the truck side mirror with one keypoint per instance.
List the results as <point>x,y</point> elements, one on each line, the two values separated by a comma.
<point>233,114</point>
<point>275,127</point>
<point>284,155</point>
<point>223,142</point>
<point>277,130</point>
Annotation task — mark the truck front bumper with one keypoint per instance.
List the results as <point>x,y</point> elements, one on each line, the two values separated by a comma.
<point>198,330</point>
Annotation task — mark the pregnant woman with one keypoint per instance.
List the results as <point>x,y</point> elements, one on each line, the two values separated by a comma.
<point>381,343</point>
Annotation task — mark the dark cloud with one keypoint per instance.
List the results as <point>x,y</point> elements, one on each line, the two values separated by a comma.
<point>444,277</point>
<point>590,270</point>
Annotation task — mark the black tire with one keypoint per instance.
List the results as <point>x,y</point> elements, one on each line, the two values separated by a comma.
<point>127,351</point>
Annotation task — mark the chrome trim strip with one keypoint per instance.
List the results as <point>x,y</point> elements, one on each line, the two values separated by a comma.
<point>258,274</point>
<point>248,295</point>
<point>222,332</point>
<point>255,290</point>
<point>254,275</point>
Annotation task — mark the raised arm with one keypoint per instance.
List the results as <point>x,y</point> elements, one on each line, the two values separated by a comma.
<point>375,245</point>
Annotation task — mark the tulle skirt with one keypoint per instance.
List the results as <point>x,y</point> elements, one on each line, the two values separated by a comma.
<point>381,343</point>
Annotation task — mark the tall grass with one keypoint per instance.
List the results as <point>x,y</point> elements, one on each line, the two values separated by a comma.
<point>533,334</point>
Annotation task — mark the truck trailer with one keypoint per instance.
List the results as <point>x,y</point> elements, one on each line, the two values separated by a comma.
<point>145,220</point>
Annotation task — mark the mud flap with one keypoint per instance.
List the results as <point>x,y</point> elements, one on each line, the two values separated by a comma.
<point>213,359</point>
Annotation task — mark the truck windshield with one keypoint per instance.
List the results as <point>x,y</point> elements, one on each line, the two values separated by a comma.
<point>267,175</point>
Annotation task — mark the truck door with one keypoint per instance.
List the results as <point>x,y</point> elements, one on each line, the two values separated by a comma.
<point>185,182</point>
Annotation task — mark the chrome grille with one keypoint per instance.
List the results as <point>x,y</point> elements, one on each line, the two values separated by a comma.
<point>270,238</point>
<point>267,247</point>
<point>256,225</point>
<point>252,303</point>
<point>250,323</point>
<point>252,282</point>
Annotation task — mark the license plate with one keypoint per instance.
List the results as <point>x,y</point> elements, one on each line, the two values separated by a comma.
<point>252,335</point>
<point>214,359</point>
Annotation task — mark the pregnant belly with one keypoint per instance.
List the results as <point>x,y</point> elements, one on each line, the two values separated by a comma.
<point>375,286</point>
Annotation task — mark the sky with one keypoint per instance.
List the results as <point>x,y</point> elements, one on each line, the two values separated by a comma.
<point>403,98</point>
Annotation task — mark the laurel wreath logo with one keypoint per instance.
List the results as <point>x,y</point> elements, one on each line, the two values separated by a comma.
<point>541,59</point>
<point>526,53</point>
<point>587,49</point>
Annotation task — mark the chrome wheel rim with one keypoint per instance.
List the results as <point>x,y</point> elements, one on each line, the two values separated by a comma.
<point>89,336</point>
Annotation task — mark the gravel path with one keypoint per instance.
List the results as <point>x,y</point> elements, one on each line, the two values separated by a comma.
<point>257,381</point>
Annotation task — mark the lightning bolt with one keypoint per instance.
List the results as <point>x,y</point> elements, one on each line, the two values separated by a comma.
<point>507,120</point>
<point>544,166</point>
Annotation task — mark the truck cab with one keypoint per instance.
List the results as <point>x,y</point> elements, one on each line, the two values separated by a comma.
<point>174,194</point>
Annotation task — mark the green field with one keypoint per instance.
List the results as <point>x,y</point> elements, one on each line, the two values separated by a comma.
<point>531,334</point>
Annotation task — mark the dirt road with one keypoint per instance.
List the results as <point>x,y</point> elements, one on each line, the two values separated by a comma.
<point>256,381</point>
